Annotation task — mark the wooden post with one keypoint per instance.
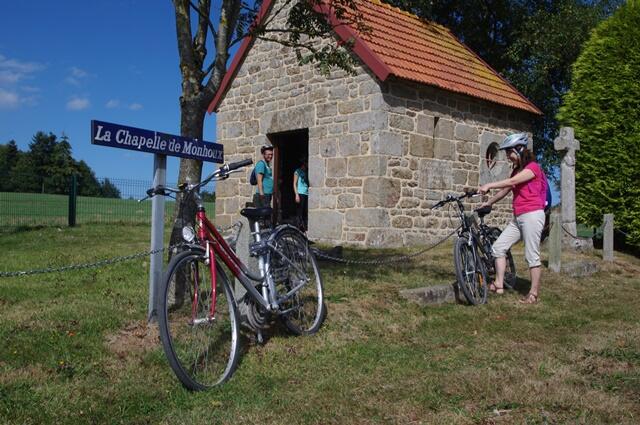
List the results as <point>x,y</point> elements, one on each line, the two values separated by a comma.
<point>555,243</point>
<point>607,238</point>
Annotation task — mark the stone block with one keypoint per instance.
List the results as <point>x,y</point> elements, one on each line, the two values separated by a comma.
<point>367,121</point>
<point>444,149</point>
<point>350,183</point>
<point>367,217</point>
<point>444,129</point>
<point>435,174</point>
<point>329,147</point>
<point>409,203</point>
<point>351,106</point>
<point>324,224</point>
<point>346,200</point>
<point>386,143</point>
<point>466,132</point>
<point>227,188</point>
<point>422,146</point>
<point>402,222</point>
<point>367,166</point>
<point>460,177</point>
<point>430,295</point>
<point>401,122</point>
<point>327,110</point>
<point>425,125</point>
<point>336,167</point>
<point>349,144</point>
<point>288,119</point>
<point>384,238</point>
<point>381,192</point>
<point>402,173</point>
<point>317,171</point>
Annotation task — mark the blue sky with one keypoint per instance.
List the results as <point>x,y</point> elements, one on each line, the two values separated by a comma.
<point>64,63</point>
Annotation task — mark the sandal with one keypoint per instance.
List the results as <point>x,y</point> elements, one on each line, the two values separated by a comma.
<point>493,288</point>
<point>529,299</point>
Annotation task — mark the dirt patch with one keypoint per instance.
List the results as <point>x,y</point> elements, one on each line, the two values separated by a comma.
<point>137,337</point>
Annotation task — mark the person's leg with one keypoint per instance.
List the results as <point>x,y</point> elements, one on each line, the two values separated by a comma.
<point>304,201</point>
<point>509,236</point>
<point>532,224</point>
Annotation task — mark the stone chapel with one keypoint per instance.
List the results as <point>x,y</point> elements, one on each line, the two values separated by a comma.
<point>422,117</point>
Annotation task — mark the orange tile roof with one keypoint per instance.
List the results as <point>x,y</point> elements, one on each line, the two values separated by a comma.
<point>403,45</point>
<point>425,52</point>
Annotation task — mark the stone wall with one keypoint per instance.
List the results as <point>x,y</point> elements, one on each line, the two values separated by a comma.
<point>380,154</point>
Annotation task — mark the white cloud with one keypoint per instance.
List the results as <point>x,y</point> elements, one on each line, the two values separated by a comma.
<point>78,104</point>
<point>135,106</point>
<point>18,66</point>
<point>112,104</point>
<point>12,71</point>
<point>77,76</point>
<point>8,99</point>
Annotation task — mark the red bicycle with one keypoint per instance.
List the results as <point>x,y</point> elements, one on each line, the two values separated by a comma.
<point>197,310</point>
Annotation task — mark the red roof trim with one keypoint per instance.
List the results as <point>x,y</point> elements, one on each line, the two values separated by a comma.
<point>238,59</point>
<point>360,48</point>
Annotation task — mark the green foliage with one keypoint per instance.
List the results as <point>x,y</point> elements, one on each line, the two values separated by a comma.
<point>531,43</point>
<point>47,167</point>
<point>603,106</point>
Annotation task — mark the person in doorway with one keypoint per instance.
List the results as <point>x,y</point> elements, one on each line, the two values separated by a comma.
<point>301,191</point>
<point>528,185</point>
<point>264,177</point>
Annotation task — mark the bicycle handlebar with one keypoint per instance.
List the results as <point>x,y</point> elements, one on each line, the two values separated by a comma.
<point>454,198</point>
<point>221,174</point>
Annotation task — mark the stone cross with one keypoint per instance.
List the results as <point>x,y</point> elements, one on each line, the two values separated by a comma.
<point>567,142</point>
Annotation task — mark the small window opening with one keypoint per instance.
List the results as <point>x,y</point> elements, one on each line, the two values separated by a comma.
<point>492,155</point>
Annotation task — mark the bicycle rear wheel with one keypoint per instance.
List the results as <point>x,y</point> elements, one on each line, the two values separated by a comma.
<point>202,349</point>
<point>470,271</point>
<point>291,265</point>
<point>510,271</point>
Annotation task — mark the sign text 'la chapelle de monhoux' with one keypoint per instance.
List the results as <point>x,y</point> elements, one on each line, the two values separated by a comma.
<point>137,139</point>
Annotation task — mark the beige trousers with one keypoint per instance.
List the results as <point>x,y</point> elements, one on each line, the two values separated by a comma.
<point>528,227</point>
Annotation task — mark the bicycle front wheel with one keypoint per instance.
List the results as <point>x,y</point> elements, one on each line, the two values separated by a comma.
<point>295,272</point>
<point>510,271</point>
<point>199,325</point>
<point>470,272</point>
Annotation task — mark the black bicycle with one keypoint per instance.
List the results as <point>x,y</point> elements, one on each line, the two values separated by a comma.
<point>472,256</point>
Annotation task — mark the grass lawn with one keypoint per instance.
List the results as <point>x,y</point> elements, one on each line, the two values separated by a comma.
<point>75,347</point>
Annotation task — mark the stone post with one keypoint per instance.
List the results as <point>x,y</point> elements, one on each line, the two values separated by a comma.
<point>555,243</point>
<point>607,238</point>
<point>567,142</point>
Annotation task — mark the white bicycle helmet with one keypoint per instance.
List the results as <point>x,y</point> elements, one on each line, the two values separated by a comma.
<point>514,140</point>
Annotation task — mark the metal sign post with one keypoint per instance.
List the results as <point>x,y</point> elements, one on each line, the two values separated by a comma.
<point>157,232</point>
<point>161,145</point>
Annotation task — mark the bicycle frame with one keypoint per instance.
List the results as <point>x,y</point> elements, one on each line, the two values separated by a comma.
<point>214,244</point>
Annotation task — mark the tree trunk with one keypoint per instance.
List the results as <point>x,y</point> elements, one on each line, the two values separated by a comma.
<point>192,115</point>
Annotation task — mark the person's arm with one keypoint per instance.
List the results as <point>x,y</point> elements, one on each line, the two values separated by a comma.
<point>259,177</point>
<point>522,177</point>
<point>498,196</point>
<point>295,187</point>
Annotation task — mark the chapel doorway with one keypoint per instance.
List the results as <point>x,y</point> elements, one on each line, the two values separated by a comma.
<point>290,148</point>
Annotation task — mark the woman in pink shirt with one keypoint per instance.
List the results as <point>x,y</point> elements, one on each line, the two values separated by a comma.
<point>529,187</point>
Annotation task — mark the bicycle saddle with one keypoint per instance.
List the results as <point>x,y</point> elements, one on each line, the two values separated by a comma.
<point>256,213</point>
<point>483,211</point>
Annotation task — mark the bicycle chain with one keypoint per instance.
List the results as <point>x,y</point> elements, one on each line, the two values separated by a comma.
<point>394,259</point>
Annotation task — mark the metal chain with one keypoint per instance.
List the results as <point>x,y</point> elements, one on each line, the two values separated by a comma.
<point>620,231</point>
<point>394,259</point>
<point>95,264</point>
<point>572,235</point>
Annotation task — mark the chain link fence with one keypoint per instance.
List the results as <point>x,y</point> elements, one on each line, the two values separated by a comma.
<point>48,203</point>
